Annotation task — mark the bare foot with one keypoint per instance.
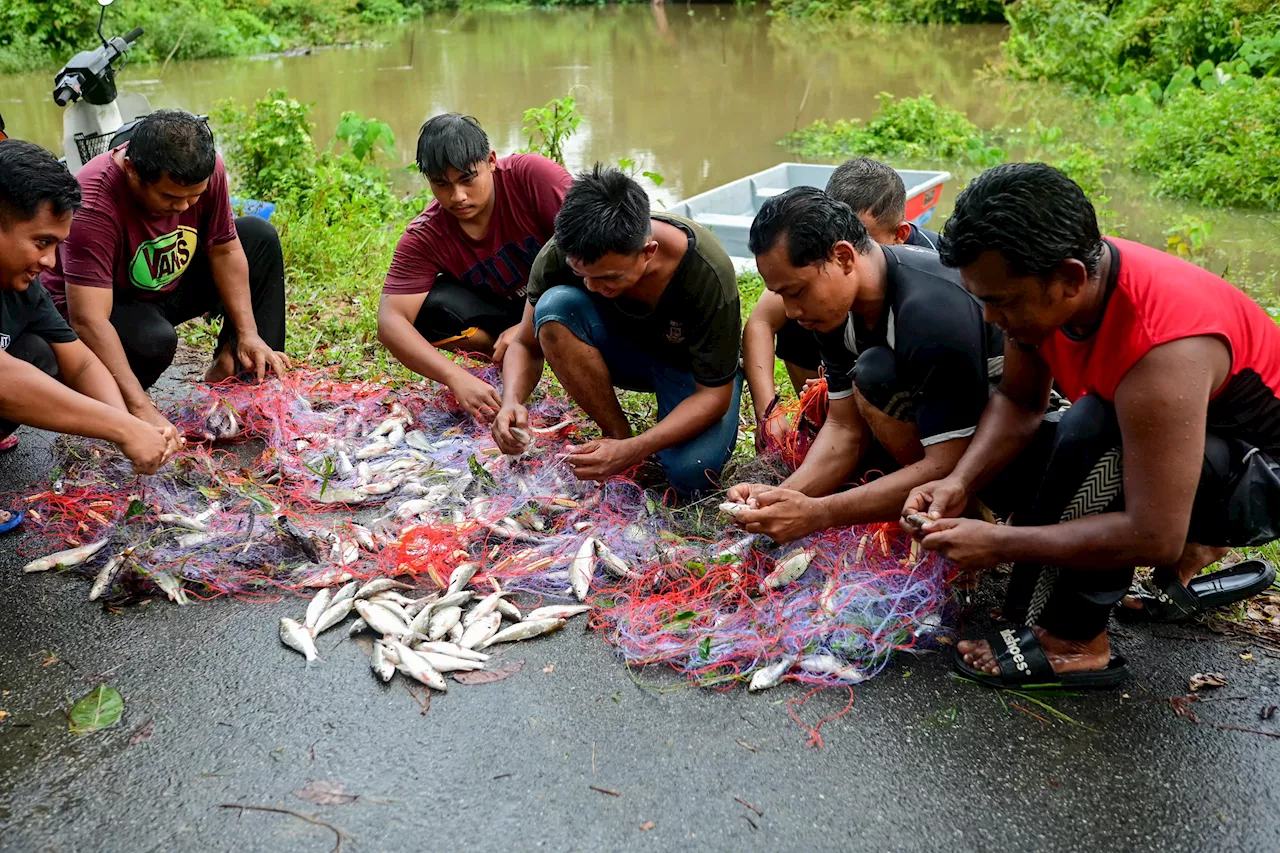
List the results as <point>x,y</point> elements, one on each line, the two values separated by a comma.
<point>224,366</point>
<point>5,515</point>
<point>1194,559</point>
<point>1064,655</point>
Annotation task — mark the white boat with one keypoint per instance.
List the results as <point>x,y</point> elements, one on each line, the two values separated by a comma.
<point>728,209</point>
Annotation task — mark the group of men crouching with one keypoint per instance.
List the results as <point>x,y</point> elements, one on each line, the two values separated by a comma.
<point>1113,404</point>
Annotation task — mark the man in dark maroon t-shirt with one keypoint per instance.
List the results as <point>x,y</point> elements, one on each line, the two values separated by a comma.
<point>457,281</point>
<point>155,244</point>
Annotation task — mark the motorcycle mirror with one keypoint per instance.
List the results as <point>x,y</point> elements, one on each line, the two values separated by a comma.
<point>101,17</point>
<point>105,2</point>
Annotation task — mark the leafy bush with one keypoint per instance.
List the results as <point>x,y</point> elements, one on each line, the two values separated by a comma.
<point>1217,148</point>
<point>910,128</point>
<point>549,127</point>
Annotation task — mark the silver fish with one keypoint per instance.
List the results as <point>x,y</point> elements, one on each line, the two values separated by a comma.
<point>582,568</point>
<point>383,487</point>
<point>357,627</point>
<point>364,536</point>
<point>63,559</point>
<point>771,675</point>
<point>480,630</point>
<point>107,576</point>
<point>333,615</point>
<point>395,436</point>
<point>486,606</point>
<point>317,607</point>
<point>449,663</point>
<point>732,508</point>
<point>179,520</point>
<point>348,591</point>
<point>380,585</point>
<point>523,631</point>
<point>339,495</point>
<point>344,553</point>
<point>416,667</point>
<point>417,439</point>
<point>328,577</point>
<point>171,586</point>
<point>450,649</point>
<point>391,595</point>
<point>455,633</point>
<point>381,447</point>
<point>220,422</point>
<point>382,667</point>
<point>394,606</point>
<point>832,665</point>
<point>556,611</point>
<point>462,575</point>
<point>195,540</point>
<point>442,620</point>
<point>381,619</point>
<point>345,468</point>
<point>613,564</point>
<point>509,610</point>
<point>297,638</point>
<point>789,569</point>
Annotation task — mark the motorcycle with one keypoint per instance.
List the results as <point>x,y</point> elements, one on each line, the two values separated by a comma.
<point>97,116</point>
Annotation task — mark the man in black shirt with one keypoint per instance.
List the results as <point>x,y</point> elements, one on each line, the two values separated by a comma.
<point>907,357</point>
<point>876,193</point>
<point>37,200</point>
<point>624,298</point>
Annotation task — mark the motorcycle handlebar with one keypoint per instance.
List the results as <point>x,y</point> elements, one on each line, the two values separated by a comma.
<point>64,95</point>
<point>133,35</point>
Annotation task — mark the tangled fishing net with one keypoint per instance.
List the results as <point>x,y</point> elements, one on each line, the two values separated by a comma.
<point>313,482</point>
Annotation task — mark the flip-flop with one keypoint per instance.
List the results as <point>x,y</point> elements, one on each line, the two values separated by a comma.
<point>15,518</point>
<point>9,442</point>
<point>1024,666</point>
<point>1173,602</point>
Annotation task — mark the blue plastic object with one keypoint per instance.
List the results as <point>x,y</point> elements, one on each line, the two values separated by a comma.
<point>253,207</point>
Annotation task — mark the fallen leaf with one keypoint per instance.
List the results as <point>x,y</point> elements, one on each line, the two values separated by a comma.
<point>1182,706</point>
<point>647,825</point>
<point>488,676</point>
<point>745,745</point>
<point>944,641</point>
<point>3,714</point>
<point>1246,657</point>
<point>101,708</point>
<point>323,792</point>
<point>1203,680</point>
<point>549,668</point>
<point>50,660</point>
<point>142,732</point>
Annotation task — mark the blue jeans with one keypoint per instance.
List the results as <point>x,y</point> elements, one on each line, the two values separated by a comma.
<point>690,466</point>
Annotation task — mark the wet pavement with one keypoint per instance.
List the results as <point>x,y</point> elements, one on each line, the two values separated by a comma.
<point>921,762</point>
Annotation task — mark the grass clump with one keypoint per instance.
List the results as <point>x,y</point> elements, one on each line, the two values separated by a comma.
<point>895,11</point>
<point>907,129</point>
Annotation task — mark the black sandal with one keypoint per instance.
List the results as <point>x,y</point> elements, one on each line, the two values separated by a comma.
<point>1173,602</point>
<point>1024,666</point>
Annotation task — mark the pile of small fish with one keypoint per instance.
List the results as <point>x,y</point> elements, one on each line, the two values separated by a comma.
<point>425,637</point>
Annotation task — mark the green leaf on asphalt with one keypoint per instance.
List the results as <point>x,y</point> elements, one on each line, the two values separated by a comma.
<point>481,475</point>
<point>136,507</point>
<point>98,710</point>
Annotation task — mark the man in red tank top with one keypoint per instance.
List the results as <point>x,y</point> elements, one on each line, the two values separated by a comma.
<point>1165,458</point>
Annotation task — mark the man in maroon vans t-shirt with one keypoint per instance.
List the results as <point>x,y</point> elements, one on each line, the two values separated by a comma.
<point>457,281</point>
<point>154,245</point>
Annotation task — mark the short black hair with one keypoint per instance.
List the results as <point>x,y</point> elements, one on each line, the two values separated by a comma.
<point>869,186</point>
<point>1032,214</point>
<point>174,143</point>
<point>604,211</point>
<point>451,140</point>
<point>813,223</point>
<point>31,177</point>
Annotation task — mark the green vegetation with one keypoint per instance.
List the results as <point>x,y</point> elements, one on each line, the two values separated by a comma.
<point>547,128</point>
<point>920,130</point>
<point>896,11</point>
<point>36,33</point>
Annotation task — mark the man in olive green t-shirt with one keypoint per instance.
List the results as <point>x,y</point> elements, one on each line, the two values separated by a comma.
<point>624,298</point>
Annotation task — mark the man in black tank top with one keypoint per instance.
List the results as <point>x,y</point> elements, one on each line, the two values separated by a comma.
<point>907,356</point>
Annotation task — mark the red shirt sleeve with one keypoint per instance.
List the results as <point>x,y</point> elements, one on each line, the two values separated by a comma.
<point>545,182</point>
<point>414,266</point>
<point>217,221</point>
<point>89,254</point>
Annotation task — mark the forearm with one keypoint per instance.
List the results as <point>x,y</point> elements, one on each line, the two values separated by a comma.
<point>1003,432</point>
<point>694,415</point>
<point>882,498</point>
<point>101,337</point>
<point>230,271</point>
<point>90,377</point>
<point>1111,540</point>
<point>29,396</point>
<point>521,370</point>
<point>414,352</point>
<point>834,454</point>
<point>757,363</point>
